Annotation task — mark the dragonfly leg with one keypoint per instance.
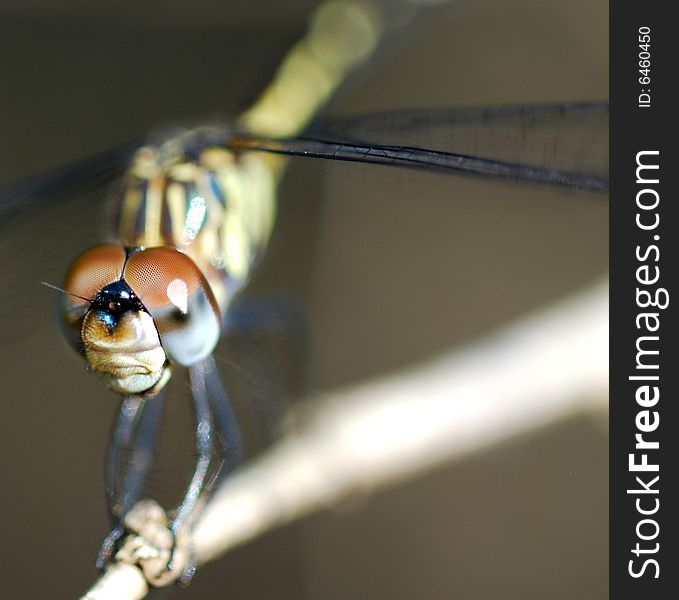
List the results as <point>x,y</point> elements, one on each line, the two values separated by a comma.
<point>121,434</point>
<point>214,418</point>
<point>119,440</point>
<point>141,456</point>
<point>204,434</point>
<point>138,417</point>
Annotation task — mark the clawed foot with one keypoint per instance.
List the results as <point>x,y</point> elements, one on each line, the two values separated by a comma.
<point>109,547</point>
<point>181,558</point>
<point>147,541</point>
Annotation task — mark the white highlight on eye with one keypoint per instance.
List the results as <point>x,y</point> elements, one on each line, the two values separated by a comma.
<point>178,293</point>
<point>195,217</point>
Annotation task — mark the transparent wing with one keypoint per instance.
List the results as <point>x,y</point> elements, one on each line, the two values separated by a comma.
<point>38,245</point>
<point>560,144</point>
<point>563,145</point>
<point>263,357</point>
<point>46,221</point>
<point>73,179</point>
<point>564,136</point>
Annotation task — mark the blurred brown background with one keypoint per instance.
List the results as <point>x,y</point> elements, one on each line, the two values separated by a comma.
<point>391,267</point>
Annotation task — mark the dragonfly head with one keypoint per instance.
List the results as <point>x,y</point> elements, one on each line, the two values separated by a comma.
<point>133,312</point>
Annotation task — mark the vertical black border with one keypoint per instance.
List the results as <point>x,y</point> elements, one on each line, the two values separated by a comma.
<point>635,129</point>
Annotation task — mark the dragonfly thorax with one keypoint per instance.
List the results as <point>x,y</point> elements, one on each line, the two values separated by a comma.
<point>212,203</point>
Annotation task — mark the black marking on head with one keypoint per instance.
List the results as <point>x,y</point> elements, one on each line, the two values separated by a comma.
<point>117,298</point>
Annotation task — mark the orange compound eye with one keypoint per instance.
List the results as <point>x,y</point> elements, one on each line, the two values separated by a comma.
<point>93,270</point>
<point>178,297</point>
<point>162,277</point>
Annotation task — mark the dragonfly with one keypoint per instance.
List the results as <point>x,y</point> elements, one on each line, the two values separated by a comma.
<point>355,139</point>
